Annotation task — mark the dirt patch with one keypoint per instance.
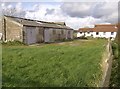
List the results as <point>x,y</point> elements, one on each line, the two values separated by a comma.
<point>62,43</point>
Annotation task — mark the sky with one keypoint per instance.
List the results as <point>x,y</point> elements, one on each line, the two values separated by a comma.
<point>75,14</point>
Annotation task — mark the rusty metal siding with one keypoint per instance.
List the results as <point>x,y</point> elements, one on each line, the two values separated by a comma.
<point>69,34</point>
<point>33,34</point>
<point>53,34</point>
<point>40,34</point>
<point>46,35</point>
<point>30,35</point>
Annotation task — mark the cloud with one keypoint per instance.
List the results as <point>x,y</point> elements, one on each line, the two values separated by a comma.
<point>49,11</point>
<point>10,9</point>
<point>75,14</point>
<point>77,9</point>
<point>89,21</point>
<point>95,9</point>
<point>45,12</point>
<point>19,7</point>
<point>105,9</point>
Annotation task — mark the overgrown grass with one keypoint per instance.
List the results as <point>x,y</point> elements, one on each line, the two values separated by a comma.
<point>67,64</point>
<point>115,75</point>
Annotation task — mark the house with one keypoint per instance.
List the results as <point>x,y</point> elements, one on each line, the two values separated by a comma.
<point>99,31</point>
<point>34,31</point>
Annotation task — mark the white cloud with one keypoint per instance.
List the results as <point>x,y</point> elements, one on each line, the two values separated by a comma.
<point>9,6</point>
<point>12,10</point>
<point>3,5</point>
<point>41,11</point>
<point>105,9</point>
<point>77,9</point>
<point>89,21</point>
<point>18,7</point>
<point>75,15</point>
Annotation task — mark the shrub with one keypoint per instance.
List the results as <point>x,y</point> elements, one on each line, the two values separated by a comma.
<point>82,37</point>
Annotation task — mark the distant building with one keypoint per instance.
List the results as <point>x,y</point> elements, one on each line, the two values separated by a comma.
<point>34,31</point>
<point>99,31</point>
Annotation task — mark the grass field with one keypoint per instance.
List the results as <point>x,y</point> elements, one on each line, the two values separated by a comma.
<point>68,64</point>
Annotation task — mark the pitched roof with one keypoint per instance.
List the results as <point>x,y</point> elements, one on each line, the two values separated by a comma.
<point>30,22</point>
<point>105,25</point>
<point>109,29</point>
<point>100,28</point>
<point>85,29</point>
<point>105,28</point>
<point>60,23</point>
<point>53,25</point>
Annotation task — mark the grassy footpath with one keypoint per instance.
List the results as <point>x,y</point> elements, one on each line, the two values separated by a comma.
<point>75,64</point>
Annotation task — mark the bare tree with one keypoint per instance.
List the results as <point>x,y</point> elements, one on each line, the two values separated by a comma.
<point>13,12</point>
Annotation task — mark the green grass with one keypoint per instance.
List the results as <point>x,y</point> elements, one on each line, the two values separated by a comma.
<point>69,64</point>
<point>115,74</point>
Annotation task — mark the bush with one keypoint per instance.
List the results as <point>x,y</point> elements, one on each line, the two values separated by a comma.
<point>82,37</point>
<point>115,75</point>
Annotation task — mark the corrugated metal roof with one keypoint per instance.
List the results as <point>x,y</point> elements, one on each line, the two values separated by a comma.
<point>29,22</point>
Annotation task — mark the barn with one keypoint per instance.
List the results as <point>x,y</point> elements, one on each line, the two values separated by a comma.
<point>33,31</point>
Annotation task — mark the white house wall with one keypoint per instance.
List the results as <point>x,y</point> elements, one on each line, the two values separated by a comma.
<point>100,34</point>
<point>104,35</point>
<point>88,34</point>
<point>80,34</point>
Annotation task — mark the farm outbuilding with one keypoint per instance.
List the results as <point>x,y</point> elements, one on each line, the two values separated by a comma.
<point>34,31</point>
<point>99,31</point>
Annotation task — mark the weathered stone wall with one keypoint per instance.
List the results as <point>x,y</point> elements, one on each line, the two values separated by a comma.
<point>107,66</point>
<point>2,28</point>
<point>12,30</point>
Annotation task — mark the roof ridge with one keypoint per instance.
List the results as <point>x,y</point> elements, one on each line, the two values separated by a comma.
<point>29,19</point>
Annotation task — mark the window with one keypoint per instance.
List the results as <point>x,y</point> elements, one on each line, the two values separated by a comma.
<point>80,32</point>
<point>97,33</point>
<point>54,32</point>
<point>112,33</point>
<point>104,33</point>
<point>88,32</point>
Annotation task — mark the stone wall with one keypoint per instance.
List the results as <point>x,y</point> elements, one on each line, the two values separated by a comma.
<point>12,30</point>
<point>107,65</point>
